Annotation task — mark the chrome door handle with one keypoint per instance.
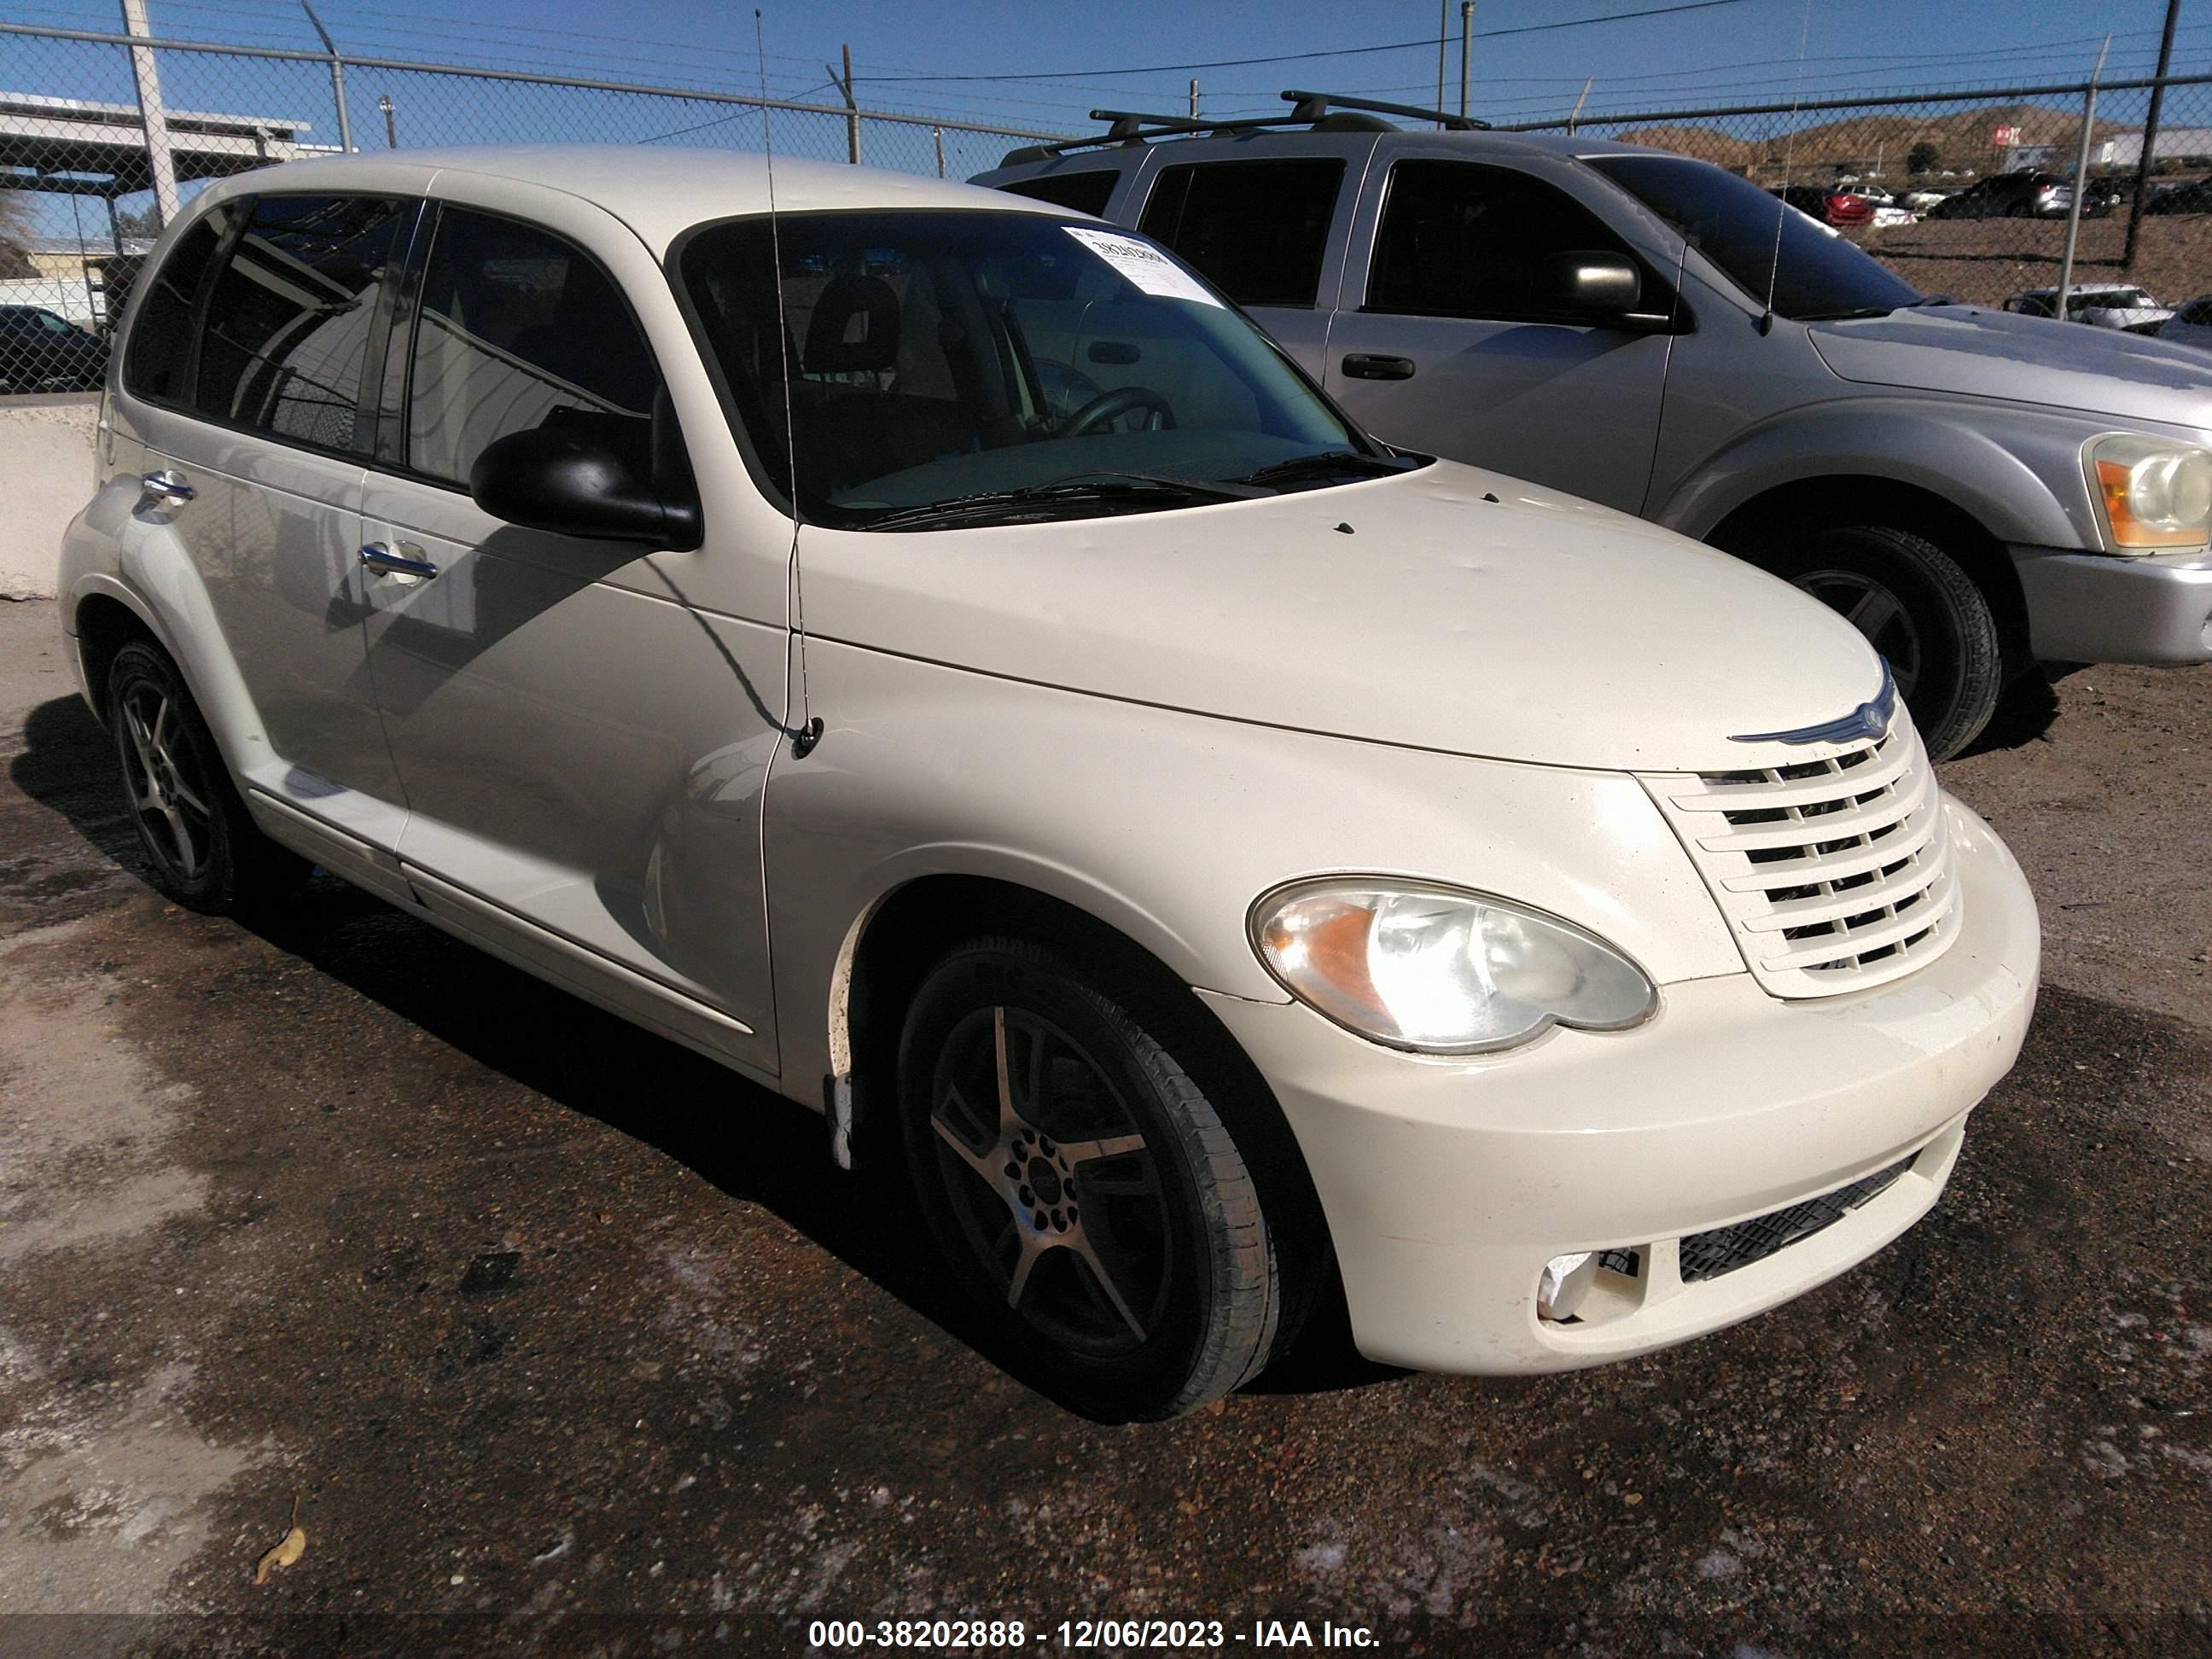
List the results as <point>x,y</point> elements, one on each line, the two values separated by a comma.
<point>405,559</point>
<point>168,484</point>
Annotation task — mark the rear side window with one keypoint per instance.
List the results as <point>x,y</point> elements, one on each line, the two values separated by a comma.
<point>520,329</point>
<point>1082,192</point>
<point>1257,229</point>
<point>161,335</point>
<point>1461,239</point>
<point>288,323</point>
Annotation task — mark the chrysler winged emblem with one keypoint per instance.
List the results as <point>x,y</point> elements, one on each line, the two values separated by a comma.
<point>1869,721</point>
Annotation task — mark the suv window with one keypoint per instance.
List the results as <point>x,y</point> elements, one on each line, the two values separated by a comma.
<point>1462,239</point>
<point>161,333</point>
<point>1083,193</point>
<point>517,329</point>
<point>289,323</point>
<point>1256,229</point>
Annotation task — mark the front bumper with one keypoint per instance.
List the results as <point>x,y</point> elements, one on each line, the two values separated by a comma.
<point>1449,1184</point>
<point>2101,607</point>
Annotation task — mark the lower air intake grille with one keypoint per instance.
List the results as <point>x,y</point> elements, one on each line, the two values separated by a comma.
<point>1708,1256</point>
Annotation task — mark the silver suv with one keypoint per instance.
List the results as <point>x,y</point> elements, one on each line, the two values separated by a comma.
<point>1978,492</point>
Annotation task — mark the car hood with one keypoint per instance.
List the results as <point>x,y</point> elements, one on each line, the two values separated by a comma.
<point>1449,609</point>
<point>2029,360</point>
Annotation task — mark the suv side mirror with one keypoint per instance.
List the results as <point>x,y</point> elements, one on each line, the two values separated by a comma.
<point>562,480</point>
<point>1594,284</point>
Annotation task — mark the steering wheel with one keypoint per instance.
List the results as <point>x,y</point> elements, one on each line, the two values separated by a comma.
<point>1108,407</point>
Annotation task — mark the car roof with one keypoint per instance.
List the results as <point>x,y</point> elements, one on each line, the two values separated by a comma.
<point>658,190</point>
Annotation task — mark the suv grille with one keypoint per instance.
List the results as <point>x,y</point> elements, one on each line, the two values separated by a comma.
<point>1835,874</point>
<point>1708,1256</point>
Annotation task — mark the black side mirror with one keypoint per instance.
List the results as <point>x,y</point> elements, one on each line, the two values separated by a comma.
<point>568,481</point>
<point>1594,284</point>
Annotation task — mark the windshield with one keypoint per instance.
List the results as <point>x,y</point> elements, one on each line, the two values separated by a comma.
<point>944,360</point>
<point>1814,273</point>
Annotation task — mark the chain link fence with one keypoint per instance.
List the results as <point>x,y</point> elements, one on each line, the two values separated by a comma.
<point>103,138</point>
<point>1966,193</point>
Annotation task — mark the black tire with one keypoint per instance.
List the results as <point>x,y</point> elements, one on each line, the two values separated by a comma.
<point>203,849</point>
<point>1920,609</point>
<point>1153,1285</point>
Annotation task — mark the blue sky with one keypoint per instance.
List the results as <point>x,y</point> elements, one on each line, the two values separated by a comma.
<point>1740,51</point>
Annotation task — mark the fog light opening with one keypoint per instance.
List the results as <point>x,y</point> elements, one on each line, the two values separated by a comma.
<point>1561,1288</point>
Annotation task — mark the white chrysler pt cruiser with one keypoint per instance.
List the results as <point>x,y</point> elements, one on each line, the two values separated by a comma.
<point>920,648</point>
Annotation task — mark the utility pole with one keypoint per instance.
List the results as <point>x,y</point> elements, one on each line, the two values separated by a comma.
<point>1444,28</point>
<point>1466,39</point>
<point>844,84</point>
<point>1194,98</point>
<point>2150,134</point>
<point>151,114</point>
<point>2081,183</point>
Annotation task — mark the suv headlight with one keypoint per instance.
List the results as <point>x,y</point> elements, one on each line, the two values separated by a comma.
<point>1439,970</point>
<point>2151,493</point>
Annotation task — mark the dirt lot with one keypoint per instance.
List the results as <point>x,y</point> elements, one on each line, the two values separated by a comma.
<point>563,1340</point>
<point>1981,261</point>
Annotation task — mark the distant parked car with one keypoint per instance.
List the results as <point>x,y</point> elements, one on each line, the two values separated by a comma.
<point>2194,197</point>
<point>1920,200</point>
<point>2100,305</point>
<point>1839,208</point>
<point>2191,324</point>
<point>2009,196</point>
<point>42,351</point>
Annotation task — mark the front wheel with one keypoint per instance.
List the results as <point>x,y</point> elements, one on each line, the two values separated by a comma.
<point>1916,606</point>
<point>1084,1188</point>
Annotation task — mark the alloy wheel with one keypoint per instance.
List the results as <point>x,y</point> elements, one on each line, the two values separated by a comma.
<point>1878,614</point>
<point>1052,1182</point>
<point>169,795</point>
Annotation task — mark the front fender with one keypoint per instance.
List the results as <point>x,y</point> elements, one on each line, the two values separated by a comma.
<point>1166,825</point>
<point>2017,472</point>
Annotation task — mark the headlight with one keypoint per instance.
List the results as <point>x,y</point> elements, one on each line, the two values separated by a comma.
<point>2151,492</point>
<point>1444,971</point>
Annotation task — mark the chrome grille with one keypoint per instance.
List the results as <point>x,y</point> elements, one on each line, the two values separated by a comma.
<point>1835,874</point>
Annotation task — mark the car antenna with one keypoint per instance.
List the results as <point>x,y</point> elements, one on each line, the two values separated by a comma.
<point>808,730</point>
<point>1789,153</point>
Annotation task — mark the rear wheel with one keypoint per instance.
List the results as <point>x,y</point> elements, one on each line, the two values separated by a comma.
<point>1084,1188</point>
<point>204,850</point>
<point>1918,608</point>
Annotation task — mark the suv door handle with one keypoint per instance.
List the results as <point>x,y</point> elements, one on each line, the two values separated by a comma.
<point>168,484</point>
<point>1366,366</point>
<point>405,559</point>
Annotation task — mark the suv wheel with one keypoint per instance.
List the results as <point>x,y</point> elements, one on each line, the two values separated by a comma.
<point>1921,611</point>
<point>1084,1188</point>
<point>205,852</point>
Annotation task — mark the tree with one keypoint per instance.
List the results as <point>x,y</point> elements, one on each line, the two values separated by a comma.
<point>144,221</point>
<point>15,234</point>
<point>1923,158</point>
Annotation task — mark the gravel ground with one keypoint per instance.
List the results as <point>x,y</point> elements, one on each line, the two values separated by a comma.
<point>1981,261</point>
<point>561,1340</point>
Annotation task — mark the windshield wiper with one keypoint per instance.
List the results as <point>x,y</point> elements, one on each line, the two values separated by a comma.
<point>1328,463</point>
<point>1845,315</point>
<point>1037,500</point>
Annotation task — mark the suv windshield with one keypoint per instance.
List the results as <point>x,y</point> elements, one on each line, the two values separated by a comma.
<point>999,367</point>
<point>1814,273</point>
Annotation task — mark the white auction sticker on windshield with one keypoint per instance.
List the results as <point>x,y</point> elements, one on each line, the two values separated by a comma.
<point>1143,264</point>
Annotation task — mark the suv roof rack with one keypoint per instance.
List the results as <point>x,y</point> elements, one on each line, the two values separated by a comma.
<point>1308,109</point>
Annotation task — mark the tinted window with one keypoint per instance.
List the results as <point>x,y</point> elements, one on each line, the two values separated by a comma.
<point>1811,271</point>
<point>1255,229</point>
<point>1083,193</point>
<point>288,323</point>
<point>520,329</point>
<point>1463,240</point>
<point>162,334</point>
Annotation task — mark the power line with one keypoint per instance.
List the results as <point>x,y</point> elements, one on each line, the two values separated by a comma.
<point>1343,51</point>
